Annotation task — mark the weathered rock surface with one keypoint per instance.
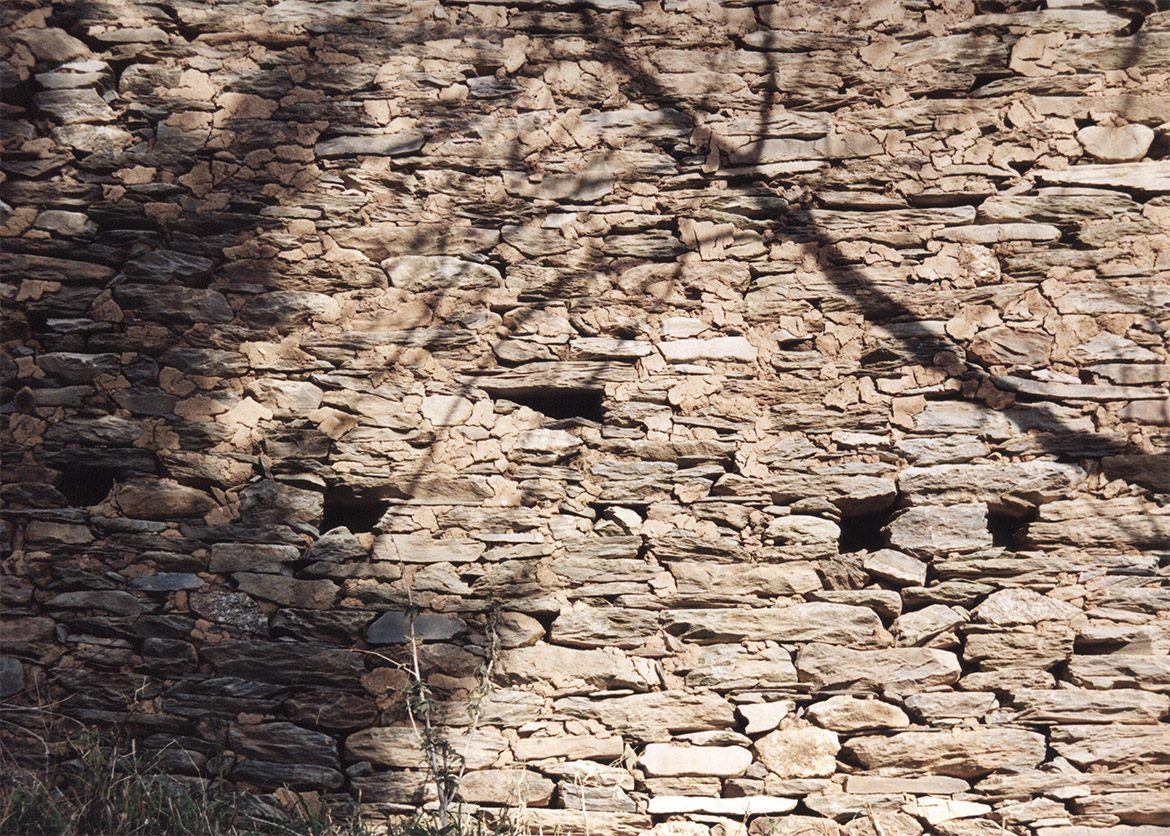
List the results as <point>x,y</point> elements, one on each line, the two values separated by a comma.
<point>748,374</point>
<point>903,670</point>
<point>959,754</point>
<point>667,759</point>
<point>834,623</point>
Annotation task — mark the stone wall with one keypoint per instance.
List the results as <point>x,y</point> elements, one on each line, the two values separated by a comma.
<point>784,384</point>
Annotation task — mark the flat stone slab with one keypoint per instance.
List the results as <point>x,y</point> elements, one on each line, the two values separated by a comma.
<point>662,759</point>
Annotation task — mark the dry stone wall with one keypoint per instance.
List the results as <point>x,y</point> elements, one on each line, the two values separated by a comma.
<point>785,384</point>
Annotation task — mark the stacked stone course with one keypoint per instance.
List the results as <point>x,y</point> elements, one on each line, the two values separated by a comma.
<point>785,384</point>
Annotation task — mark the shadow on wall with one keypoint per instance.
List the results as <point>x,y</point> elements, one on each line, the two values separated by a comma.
<point>274,252</point>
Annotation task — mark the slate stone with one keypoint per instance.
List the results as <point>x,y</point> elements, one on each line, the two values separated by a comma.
<point>114,601</point>
<point>164,302</point>
<point>286,310</point>
<point>283,743</point>
<point>286,591</point>
<point>300,663</point>
<point>728,667</point>
<point>384,145</point>
<point>400,746</point>
<point>722,761</point>
<point>397,628</point>
<point>337,545</point>
<point>252,557</point>
<point>799,752</point>
<point>576,671</point>
<point>294,776</point>
<point>161,499</point>
<point>935,530</point>
<point>11,677</point>
<point>836,623</point>
<point>340,626</point>
<point>230,608</point>
<point>843,713</point>
<point>903,670</point>
<point>969,753</point>
<point>73,367</point>
<point>510,787</point>
<point>70,107</point>
<point>654,716</point>
<point>270,502</point>
<point>167,582</point>
<point>424,273</point>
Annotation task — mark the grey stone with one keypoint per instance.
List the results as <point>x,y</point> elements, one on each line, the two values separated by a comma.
<point>270,502</point>
<point>66,224</point>
<point>284,743</point>
<point>953,449</point>
<point>252,557</point>
<point>231,608</point>
<point>122,603</point>
<point>51,45</point>
<point>737,807</point>
<point>734,583</point>
<point>1048,644</point>
<point>446,410</point>
<point>934,707</point>
<point>70,107</point>
<point>593,183</point>
<point>764,716</point>
<point>167,302</point>
<point>1146,176</point>
<point>337,546</point>
<point>719,349</point>
<point>801,528</point>
<point>286,310</point>
<point>396,628</point>
<point>299,663</point>
<point>416,549</point>
<point>591,799</point>
<point>930,785</point>
<point>73,367</point>
<point>167,582</point>
<point>516,629</point>
<point>998,484</point>
<point>377,145</point>
<point>294,776</point>
<point>11,677</point>
<point>286,398</point>
<point>288,592</point>
<point>544,446</point>
<point>1075,706</point>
